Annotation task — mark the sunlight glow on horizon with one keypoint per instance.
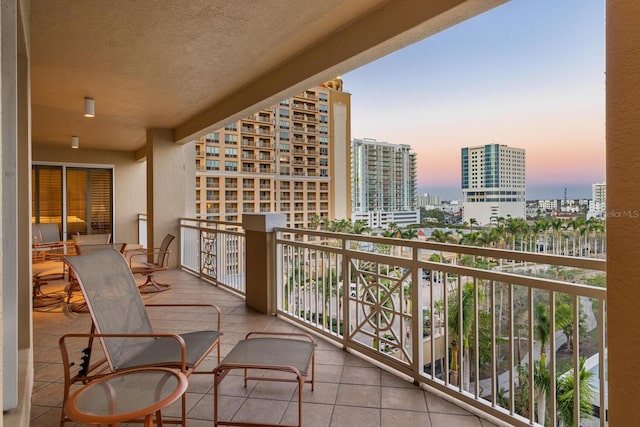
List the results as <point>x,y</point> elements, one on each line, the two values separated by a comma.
<point>528,74</point>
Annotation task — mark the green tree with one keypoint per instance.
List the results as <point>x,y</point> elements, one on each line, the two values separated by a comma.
<point>541,373</point>
<point>565,386</point>
<point>461,331</point>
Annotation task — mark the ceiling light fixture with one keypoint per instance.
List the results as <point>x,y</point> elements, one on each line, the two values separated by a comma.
<point>75,142</point>
<point>89,107</point>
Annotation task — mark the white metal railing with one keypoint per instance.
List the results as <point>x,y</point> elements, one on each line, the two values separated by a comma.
<point>142,230</point>
<point>215,251</point>
<point>468,321</point>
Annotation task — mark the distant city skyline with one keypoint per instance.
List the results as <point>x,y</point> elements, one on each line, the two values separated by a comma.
<point>528,74</point>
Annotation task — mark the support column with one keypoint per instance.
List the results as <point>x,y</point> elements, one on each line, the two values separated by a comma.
<point>171,183</point>
<point>623,208</point>
<point>261,260</point>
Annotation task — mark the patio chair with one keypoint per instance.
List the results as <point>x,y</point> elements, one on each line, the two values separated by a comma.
<point>121,325</point>
<point>42,273</point>
<point>46,242</point>
<point>140,264</point>
<point>90,239</point>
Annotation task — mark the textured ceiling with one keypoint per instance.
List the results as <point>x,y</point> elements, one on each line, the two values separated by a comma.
<point>189,65</point>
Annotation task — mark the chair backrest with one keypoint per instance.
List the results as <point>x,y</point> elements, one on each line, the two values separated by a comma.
<point>114,302</point>
<point>89,239</point>
<point>46,233</point>
<point>163,255</point>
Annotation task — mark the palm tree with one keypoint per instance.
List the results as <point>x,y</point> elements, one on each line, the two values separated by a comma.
<point>575,225</point>
<point>408,233</point>
<point>556,227</point>
<point>462,332</point>
<point>541,226</point>
<point>565,385</point>
<point>440,236</point>
<point>541,375</point>
<point>360,226</point>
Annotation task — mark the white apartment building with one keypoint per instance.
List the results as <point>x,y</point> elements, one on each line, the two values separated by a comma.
<point>383,183</point>
<point>291,158</point>
<point>427,200</point>
<point>493,183</point>
<point>598,203</point>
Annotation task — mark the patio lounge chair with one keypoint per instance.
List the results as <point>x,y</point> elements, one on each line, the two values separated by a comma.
<point>122,327</point>
<point>140,264</point>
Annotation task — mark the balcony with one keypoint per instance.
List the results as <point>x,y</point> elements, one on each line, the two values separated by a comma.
<point>400,288</point>
<point>42,20</point>
<point>345,385</point>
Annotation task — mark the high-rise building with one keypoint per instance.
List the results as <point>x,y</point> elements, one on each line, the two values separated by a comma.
<point>493,183</point>
<point>598,203</point>
<point>291,158</point>
<point>383,182</point>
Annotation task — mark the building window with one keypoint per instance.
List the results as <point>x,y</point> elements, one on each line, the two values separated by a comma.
<point>213,165</point>
<point>231,126</point>
<point>284,102</point>
<point>284,124</point>
<point>323,97</point>
<point>323,108</point>
<point>230,139</point>
<point>324,140</point>
<point>231,166</point>
<point>283,112</point>
<point>323,129</point>
<point>212,151</point>
<point>231,152</point>
<point>212,137</point>
<point>324,119</point>
<point>284,136</point>
<point>324,172</point>
<point>324,151</point>
<point>284,148</point>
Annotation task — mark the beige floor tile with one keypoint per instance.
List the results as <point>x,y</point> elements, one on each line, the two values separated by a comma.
<point>273,390</point>
<point>323,393</point>
<point>358,395</point>
<point>348,416</point>
<point>313,414</point>
<point>402,418</point>
<point>448,420</point>
<point>328,373</point>
<point>438,405</point>
<point>261,411</point>
<point>411,399</point>
<point>360,375</point>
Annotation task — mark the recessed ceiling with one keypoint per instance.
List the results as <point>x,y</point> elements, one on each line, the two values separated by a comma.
<point>189,65</point>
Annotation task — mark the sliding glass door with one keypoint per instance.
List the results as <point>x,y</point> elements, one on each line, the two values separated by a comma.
<point>78,199</point>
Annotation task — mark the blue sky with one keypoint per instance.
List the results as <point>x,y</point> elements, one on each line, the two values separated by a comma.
<point>529,74</point>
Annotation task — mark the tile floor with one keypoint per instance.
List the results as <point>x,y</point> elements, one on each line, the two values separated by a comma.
<point>349,390</point>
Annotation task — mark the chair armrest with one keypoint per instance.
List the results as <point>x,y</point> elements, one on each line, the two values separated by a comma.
<point>213,306</point>
<point>137,253</point>
<point>65,356</point>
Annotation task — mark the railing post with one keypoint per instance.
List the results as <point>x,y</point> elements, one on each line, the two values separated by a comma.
<point>261,259</point>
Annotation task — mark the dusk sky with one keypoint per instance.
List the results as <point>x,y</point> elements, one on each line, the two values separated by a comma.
<point>527,74</point>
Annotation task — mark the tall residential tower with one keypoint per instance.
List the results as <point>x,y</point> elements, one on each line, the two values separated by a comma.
<point>383,182</point>
<point>493,183</point>
<point>291,158</point>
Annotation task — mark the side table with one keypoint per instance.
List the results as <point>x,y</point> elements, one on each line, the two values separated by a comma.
<point>127,396</point>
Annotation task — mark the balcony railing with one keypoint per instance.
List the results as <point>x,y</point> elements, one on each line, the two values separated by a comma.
<point>214,251</point>
<point>400,302</point>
